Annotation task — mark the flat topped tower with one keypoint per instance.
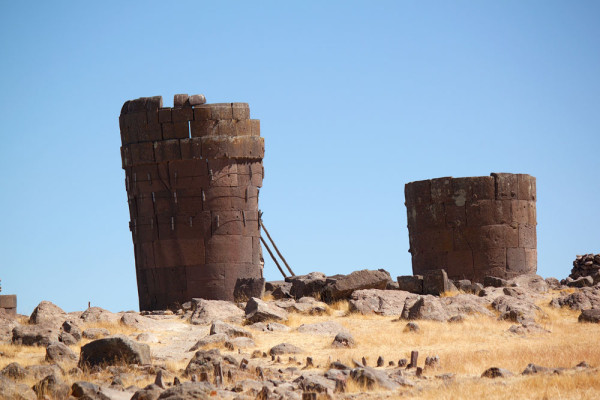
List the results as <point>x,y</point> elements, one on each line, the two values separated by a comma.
<point>192,174</point>
<point>473,227</point>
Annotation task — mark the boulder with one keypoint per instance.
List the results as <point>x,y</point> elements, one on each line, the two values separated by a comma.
<point>15,391</point>
<point>411,327</point>
<point>533,369</point>
<point>370,377</point>
<point>327,328</point>
<point>279,289</point>
<point>411,283</point>
<point>210,340</point>
<point>88,391</point>
<point>42,371</point>
<point>58,352</point>
<point>114,350</point>
<point>343,286</point>
<point>307,285</point>
<point>258,310</point>
<point>530,282</point>
<point>207,311</point>
<point>192,390</point>
<point>7,324</point>
<point>97,314</point>
<point>34,335</point>
<point>240,343</point>
<point>494,282</point>
<point>343,339</point>
<point>514,309</point>
<point>270,327</point>
<point>553,283</point>
<point>246,288</point>
<point>49,314</point>
<point>435,282</point>
<point>582,281</point>
<point>135,320</point>
<point>304,305</point>
<point>527,328</point>
<point>424,307</point>
<point>72,328</point>
<point>203,361</point>
<point>466,304</point>
<point>52,386</point>
<point>592,315</point>
<point>496,372</point>
<point>382,302</point>
<point>14,371</point>
<point>285,348</point>
<point>67,339</point>
<point>229,330</point>
<point>315,383</point>
<point>584,298</point>
<point>150,392</point>
<point>95,333</point>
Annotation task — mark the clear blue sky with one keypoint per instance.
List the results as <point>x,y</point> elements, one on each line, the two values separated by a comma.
<point>355,99</point>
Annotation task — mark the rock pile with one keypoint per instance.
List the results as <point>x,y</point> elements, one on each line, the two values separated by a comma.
<point>585,265</point>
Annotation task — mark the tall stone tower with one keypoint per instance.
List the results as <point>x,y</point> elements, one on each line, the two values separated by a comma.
<point>473,227</point>
<point>192,175</point>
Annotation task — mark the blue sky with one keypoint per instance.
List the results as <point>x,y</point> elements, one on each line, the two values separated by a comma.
<point>355,100</point>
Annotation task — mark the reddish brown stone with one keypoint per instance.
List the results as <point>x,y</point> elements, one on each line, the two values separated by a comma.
<point>167,150</point>
<point>489,258</point>
<point>417,193</point>
<point>240,111</point>
<point>221,111</point>
<point>173,253</point>
<point>516,260</point>
<point>441,190</point>
<point>526,187</point>
<point>460,264</point>
<point>481,212</point>
<point>255,127</point>
<point>205,127</point>
<point>141,153</point>
<point>190,149</point>
<point>229,248</point>
<point>527,237</point>
<point>506,186</point>
<point>183,114</point>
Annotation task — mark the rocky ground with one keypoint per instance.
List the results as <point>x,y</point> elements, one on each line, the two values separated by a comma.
<point>368,340</point>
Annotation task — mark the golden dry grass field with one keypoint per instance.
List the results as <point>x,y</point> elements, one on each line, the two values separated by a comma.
<point>465,350</point>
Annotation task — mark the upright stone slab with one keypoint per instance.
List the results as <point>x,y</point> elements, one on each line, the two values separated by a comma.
<point>435,282</point>
<point>192,175</point>
<point>473,227</point>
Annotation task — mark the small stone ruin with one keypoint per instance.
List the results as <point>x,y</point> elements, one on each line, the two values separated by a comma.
<point>585,265</point>
<point>192,174</point>
<point>473,227</point>
<point>8,303</point>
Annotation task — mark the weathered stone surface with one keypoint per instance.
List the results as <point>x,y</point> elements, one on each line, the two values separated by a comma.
<point>203,361</point>
<point>192,390</point>
<point>343,339</point>
<point>369,377</point>
<point>327,328</point>
<point>495,372</point>
<point>307,285</point>
<point>411,327</point>
<point>585,265</point>
<point>364,279</point>
<point>14,371</point>
<point>515,309</point>
<point>280,289</point>
<point>34,335</point>
<point>91,390</point>
<point>72,328</point>
<point>57,352</point>
<point>466,304</point>
<point>49,314</point>
<point>270,327</point>
<point>15,391</point>
<point>553,283</point>
<point>285,348</point>
<point>7,324</point>
<point>246,288</point>
<point>97,314</point>
<point>382,302</point>
<point>95,333</point>
<point>533,369</point>
<point>240,342</point>
<point>592,315</point>
<point>312,382</point>
<point>207,311</point>
<point>114,350</point>
<point>582,299</point>
<point>494,281</point>
<point>435,282</point>
<point>258,310</point>
<point>210,340</point>
<point>229,330</point>
<point>527,328</point>
<point>52,386</point>
<point>150,392</point>
<point>411,283</point>
<point>135,320</point>
<point>424,307</point>
<point>582,281</point>
<point>530,282</point>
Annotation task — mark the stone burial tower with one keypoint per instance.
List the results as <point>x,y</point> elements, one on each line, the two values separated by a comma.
<point>473,227</point>
<point>192,175</point>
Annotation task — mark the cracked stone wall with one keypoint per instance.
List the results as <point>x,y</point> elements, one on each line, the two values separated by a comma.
<point>192,175</point>
<point>473,227</point>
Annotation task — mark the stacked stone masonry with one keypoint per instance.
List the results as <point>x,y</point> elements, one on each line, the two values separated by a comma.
<point>8,304</point>
<point>473,227</point>
<point>192,175</point>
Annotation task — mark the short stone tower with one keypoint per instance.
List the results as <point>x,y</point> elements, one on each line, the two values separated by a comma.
<point>473,227</point>
<point>192,174</point>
